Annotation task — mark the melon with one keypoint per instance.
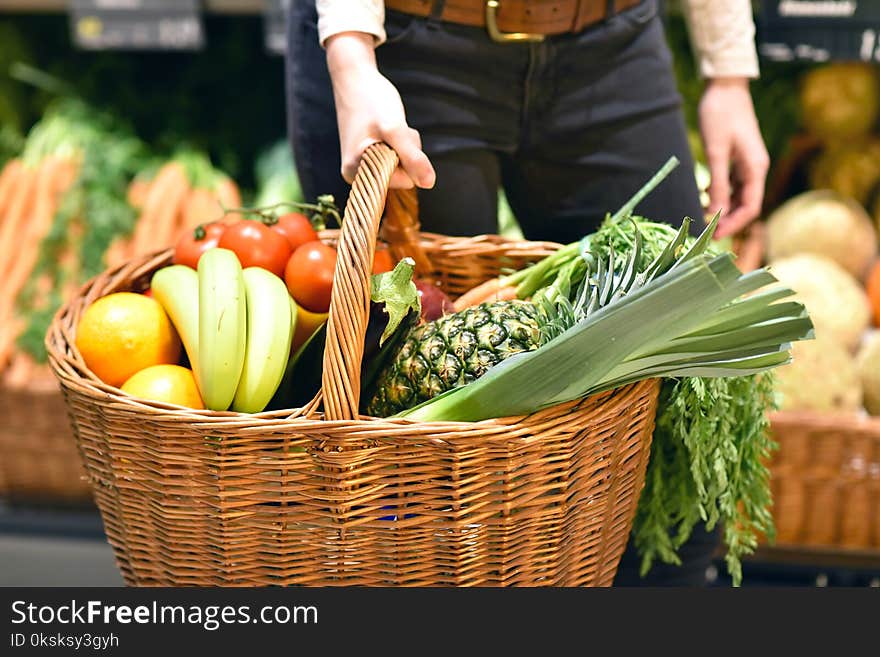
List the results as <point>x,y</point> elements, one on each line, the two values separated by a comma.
<point>824,223</point>
<point>836,302</point>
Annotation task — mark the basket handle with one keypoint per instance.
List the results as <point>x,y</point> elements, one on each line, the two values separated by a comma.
<point>350,298</point>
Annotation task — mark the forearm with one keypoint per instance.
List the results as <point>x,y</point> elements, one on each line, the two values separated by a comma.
<point>339,16</point>
<point>723,37</point>
<point>347,52</point>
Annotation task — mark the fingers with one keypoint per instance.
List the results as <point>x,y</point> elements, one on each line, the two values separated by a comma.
<point>719,185</point>
<point>751,167</point>
<point>351,159</point>
<point>400,180</point>
<point>408,145</point>
<point>415,167</point>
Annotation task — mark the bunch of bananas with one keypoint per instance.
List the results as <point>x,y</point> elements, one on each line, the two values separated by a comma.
<point>235,324</point>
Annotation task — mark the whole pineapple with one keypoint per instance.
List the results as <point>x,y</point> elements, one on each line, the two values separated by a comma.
<point>454,350</point>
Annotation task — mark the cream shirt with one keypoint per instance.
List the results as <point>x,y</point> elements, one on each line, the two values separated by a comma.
<point>722,31</point>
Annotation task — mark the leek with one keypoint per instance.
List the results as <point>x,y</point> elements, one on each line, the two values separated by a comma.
<point>685,315</point>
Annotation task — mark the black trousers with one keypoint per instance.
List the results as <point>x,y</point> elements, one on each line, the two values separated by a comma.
<point>570,127</point>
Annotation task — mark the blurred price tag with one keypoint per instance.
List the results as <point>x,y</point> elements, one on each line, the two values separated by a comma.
<point>137,24</point>
<point>819,30</point>
<point>275,25</point>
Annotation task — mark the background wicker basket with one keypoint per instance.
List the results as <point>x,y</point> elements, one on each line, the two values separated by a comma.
<point>203,498</point>
<point>39,461</point>
<point>826,480</point>
<point>825,476</point>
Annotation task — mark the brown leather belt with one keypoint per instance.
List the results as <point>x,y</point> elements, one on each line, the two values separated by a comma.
<point>518,20</point>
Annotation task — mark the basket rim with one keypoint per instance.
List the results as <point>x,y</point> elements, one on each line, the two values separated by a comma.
<point>849,422</point>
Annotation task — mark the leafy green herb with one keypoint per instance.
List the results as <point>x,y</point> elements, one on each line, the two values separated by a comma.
<point>710,444</point>
<point>708,464</point>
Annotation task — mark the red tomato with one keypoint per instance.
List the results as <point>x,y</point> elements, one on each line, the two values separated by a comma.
<point>382,261</point>
<point>309,276</point>
<point>296,229</point>
<point>256,246</point>
<point>193,243</point>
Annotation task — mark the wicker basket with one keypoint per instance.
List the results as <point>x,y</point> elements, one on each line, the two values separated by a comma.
<point>39,461</point>
<point>826,480</point>
<point>825,476</point>
<point>333,498</point>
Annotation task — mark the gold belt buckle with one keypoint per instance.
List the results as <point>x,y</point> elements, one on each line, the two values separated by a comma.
<point>505,37</point>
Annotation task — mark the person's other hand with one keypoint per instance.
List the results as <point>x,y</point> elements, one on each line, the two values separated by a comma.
<point>369,110</point>
<point>737,158</point>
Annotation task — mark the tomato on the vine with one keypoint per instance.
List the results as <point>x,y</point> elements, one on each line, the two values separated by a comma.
<point>296,229</point>
<point>256,246</point>
<point>193,243</point>
<point>382,261</point>
<point>309,276</point>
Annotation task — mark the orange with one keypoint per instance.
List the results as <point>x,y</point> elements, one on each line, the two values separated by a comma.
<point>873,288</point>
<point>171,384</point>
<point>123,333</point>
<point>307,323</point>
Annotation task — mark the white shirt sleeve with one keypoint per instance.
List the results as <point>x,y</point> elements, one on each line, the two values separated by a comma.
<point>722,33</point>
<point>335,16</point>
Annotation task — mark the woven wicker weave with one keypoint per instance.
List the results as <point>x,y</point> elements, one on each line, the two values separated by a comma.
<point>825,476</point>
<point>39,462</point>
<point>205,498</point>
<point>826,480</point>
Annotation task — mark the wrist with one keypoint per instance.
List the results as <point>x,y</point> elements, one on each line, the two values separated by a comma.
<point>728,82</point>
<point>350,52</point>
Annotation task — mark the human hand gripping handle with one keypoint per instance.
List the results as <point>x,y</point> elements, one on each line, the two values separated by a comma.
<point>737,158</point>
<point>369,110</point>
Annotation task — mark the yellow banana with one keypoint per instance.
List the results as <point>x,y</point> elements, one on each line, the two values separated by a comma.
<point>269,334</point>
<point>222,327</point>
<point>176,288</point>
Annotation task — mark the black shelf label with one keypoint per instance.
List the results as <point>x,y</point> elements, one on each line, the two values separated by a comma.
<point>137,24</point>
<point>819,30</point>
<point>825,11</point>
<point>855,43</point>
<point>275,25</point>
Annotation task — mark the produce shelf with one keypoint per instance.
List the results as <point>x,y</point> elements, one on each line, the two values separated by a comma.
<point>804,555</point>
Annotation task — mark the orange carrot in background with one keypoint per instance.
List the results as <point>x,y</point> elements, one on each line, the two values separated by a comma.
<point>10,329</point>
<point>228,195</point>
<point>155,227</point>
<point>8,179</point>
<point>21,369</point>
<point>118,251</point>
<point>68,169</point>
<point>168,217</point>
<point>201,206</point>
<point>15,220</point>
<point>227,192</point>
<point>34,228</point>
<point>138,190</point>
